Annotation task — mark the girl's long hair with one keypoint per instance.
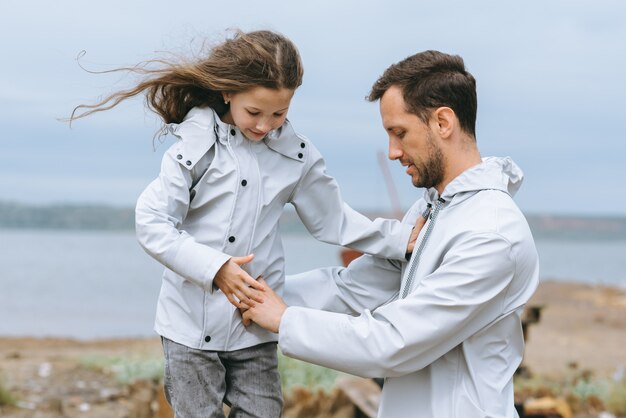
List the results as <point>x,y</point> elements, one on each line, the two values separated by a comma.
<point>247,60</point>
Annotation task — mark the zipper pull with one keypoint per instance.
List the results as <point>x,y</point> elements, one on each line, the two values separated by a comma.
<point>426,212</point>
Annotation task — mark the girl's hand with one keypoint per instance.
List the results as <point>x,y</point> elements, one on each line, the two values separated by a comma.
<point>267,314</point>
<point>243,307</point>
<point>419,224</point>
<point>239,287</point>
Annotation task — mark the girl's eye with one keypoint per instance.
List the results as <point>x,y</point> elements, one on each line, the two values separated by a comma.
<point>253,113</point>
<point>279,115</point>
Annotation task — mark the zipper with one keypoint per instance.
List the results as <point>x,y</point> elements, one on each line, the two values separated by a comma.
<point>413,268</point>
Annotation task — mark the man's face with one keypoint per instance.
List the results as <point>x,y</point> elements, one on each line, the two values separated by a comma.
<point>411,141</point>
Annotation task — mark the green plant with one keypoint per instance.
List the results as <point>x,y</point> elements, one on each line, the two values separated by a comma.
<point>127,369</point>
<point>585,388</point>
<point>6,397</point>
<point>616,398</point>
<point>536,386</point>
<point>582,390</point>
<point>298,373</point>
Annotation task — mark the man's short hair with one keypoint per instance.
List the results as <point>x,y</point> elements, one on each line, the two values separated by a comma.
<point>429,80</point>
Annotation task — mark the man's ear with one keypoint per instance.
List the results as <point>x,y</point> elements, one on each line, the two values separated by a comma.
<point>446,121</point>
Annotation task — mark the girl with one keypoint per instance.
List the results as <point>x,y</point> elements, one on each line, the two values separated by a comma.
<point>211,217</point>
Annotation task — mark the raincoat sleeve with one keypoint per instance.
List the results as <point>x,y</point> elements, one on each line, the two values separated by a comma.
<point>458,299</point>
<point>159,214</point>
<point>367,283</point>
<point>319,205</point>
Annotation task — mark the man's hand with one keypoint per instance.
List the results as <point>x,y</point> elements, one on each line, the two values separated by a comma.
<point>268,313</point>
<point>238,286</point>
<point>419,224</point>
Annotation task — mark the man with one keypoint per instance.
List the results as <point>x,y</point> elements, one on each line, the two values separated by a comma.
<point>443,329</point>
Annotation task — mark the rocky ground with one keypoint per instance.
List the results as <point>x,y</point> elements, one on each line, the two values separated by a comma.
<point>581,327</point>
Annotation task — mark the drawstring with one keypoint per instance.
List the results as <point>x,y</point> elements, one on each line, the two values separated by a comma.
<point>416,259</point>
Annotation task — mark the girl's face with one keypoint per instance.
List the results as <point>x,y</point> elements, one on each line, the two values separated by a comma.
<point>258,110</point>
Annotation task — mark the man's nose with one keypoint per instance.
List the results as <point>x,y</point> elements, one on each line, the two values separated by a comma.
<point>394,151</point>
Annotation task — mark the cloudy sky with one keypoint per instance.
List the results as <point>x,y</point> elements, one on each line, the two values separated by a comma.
<point>551,88</point>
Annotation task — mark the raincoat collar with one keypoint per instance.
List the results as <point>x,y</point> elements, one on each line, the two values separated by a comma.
<point>493,173</point>
<point>200,120</point>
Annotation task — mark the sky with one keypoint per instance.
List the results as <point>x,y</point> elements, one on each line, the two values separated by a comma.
<point>550,80</point>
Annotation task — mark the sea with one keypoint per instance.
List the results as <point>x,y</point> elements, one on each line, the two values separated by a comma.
<point>101,284</point>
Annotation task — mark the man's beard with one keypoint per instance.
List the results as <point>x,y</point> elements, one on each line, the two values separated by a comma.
<point>430,172</point>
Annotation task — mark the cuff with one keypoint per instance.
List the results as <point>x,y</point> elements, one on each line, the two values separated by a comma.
<point>198,263</point>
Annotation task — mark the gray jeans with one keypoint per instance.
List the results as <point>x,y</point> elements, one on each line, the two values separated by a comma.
<point>198,382</point>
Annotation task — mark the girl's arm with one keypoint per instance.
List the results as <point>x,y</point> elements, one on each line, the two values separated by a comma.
<point>159,215</point>
<point>367,283</point>
<point>328,218</point>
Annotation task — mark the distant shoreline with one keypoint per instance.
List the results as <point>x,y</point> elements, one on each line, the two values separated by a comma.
<point>100,217</point>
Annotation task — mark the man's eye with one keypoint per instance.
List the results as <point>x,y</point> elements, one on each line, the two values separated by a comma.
<point>400,134</point>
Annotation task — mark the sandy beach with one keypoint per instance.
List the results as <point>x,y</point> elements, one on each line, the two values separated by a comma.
<point>581,327</point>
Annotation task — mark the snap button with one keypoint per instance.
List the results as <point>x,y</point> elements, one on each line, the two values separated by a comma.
<point>231,239</point>
<point>188,162</point>
<point>302,145</point>
<point>300,155</point>
<point>207,338</point>
<point>232,132</point>
<point>244,182</point>
<point>179,157</point>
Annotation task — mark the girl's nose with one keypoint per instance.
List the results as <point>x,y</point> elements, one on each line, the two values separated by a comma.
<point>263,125</point>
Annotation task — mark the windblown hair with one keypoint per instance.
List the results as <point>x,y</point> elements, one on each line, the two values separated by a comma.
<point>247,60</point>
<point>429,80</point>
